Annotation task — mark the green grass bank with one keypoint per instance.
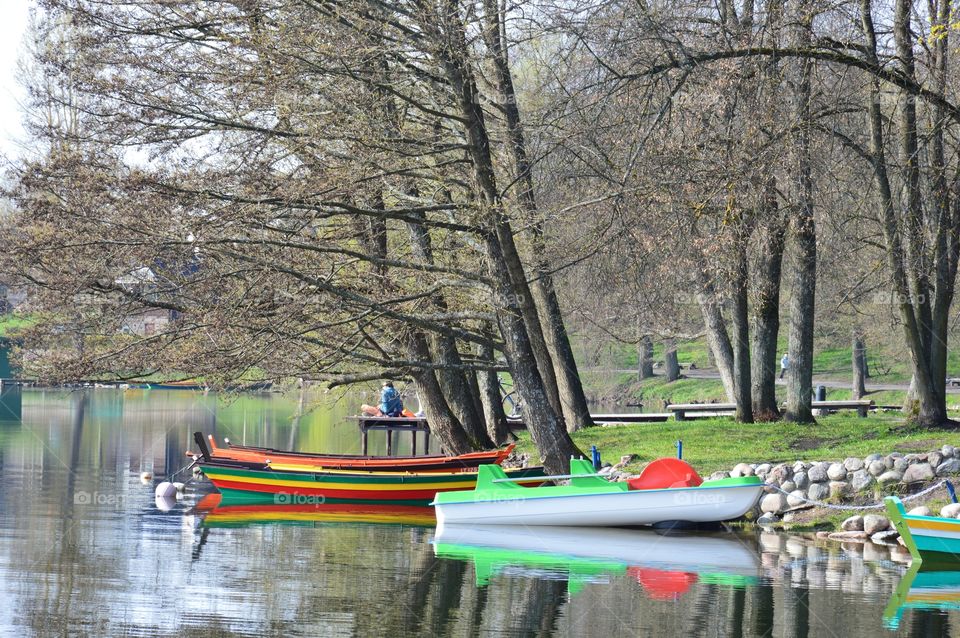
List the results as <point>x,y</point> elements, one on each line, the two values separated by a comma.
<point>719,444</point>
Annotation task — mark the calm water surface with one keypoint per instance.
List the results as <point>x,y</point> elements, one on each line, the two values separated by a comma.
<point>85,549</point>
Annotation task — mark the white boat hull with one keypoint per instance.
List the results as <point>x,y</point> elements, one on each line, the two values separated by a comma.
<point>640,507</point>
<point>691,553</point>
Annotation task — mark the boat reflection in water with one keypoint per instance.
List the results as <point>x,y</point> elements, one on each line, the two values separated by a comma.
<point>215,511</point>
<point>927,587</point>
<point>666,566</point>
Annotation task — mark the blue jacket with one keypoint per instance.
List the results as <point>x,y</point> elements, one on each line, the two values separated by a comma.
<point>390,402</point>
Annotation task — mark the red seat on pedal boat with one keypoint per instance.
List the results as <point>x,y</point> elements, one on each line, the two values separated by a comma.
<point>665,473</point>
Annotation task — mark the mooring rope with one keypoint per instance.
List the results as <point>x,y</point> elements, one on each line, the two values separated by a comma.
<point>862,507</point>
<point>185,467</point>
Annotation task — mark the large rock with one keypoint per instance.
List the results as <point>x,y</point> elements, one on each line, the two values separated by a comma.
<point>763,468</point>
<point>885,536</point>
<point>781,472</point>
<point>799,466</point>
<point>873,523</point>
<point>901,464</point>
<point>853,464</point>
<point>800,480</point>
<point>718,475</point>
<point>852,524</point>
<point>742,469</point>
<point>773,503</point>
<point>788,486</point>
<point>767,519</point>
<point>839,489</point>
<point>923,510</point>
<point>817,474</point>
<point>934,459</point>
<point>950,511</point>
<point>918,472</point>
<point>950,466</point>
<point>796,498</point>
<point>848,536</point>
<point>890,477</point>
<point>876,468</point>
<point>871,458</point>
<point>818,491</point>
<point>948,451</point>
<point>836,472</point>
<point>860,480</point>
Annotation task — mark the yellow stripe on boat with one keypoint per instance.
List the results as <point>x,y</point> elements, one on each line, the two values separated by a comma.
<point>258,480</point>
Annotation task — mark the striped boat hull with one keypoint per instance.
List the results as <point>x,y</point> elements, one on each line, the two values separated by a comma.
<point>929,538</point>
<point>292,488</point>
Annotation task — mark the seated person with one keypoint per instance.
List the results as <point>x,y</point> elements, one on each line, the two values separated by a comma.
<point>390,403</point>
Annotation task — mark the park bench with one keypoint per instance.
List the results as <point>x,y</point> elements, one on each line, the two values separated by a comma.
<point>683,411</point>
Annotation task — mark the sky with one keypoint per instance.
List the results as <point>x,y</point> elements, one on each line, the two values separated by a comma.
<point>13,23</point>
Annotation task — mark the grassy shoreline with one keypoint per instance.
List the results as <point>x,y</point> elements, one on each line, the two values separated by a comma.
<point>719,444</point>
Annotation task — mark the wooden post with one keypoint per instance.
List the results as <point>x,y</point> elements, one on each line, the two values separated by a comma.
<point>413,441</point>
<point>363,438</point>
<point>389,442</point>
<point>426,441</point>
<point>859,369</point>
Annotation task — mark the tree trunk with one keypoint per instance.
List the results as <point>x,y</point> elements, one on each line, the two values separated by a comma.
<point>671,365</point>
<point>462,396</point>
<point>766,314</point>
<point>800,373</point>
<point>444,424</point>
<point>645,358</point>
<point>572,400</point>
<point>859,389</point>
<point>545,425</point>
<point>717,336</point>
<point>741,337</point>
<point>496,420</point>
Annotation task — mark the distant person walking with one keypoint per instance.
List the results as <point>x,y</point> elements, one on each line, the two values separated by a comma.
<point>390,403</point>
<point>784,364</point>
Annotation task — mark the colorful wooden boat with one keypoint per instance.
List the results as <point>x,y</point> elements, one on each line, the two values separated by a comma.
<point>288,486</point>
<point>664,565</point>
<point>929,538</point>
<point>215,511</point>
<point>591,500</point>
<point>439,463</point>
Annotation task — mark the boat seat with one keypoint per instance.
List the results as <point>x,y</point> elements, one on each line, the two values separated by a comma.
<point>665,473</point>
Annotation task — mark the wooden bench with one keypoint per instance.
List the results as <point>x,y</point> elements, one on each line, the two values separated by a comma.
<point>635,417</point>
<point>862,406</point>
<point>682,411</point>
<point>391,424</point>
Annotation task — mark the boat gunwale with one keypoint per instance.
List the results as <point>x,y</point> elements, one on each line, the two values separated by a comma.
<point>514,495</point>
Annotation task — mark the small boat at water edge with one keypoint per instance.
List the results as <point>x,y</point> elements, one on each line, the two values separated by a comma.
<point>933,539</point>
<point>668,490</point>
<point>216,511</point>
<point>263,456</point>
<point>296,486</point>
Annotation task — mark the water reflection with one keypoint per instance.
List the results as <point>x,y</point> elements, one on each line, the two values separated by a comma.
<point>85,549</point>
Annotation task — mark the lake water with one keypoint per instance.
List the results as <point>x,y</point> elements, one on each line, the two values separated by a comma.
<point>86,550</point>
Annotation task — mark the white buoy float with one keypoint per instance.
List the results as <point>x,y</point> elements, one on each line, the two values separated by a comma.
<point>179,487</point>
<point>166,490</point>
<point>165,503</point>
<point>146,477</point>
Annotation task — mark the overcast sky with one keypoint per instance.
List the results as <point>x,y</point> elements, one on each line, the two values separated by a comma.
<point>13,23</point>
